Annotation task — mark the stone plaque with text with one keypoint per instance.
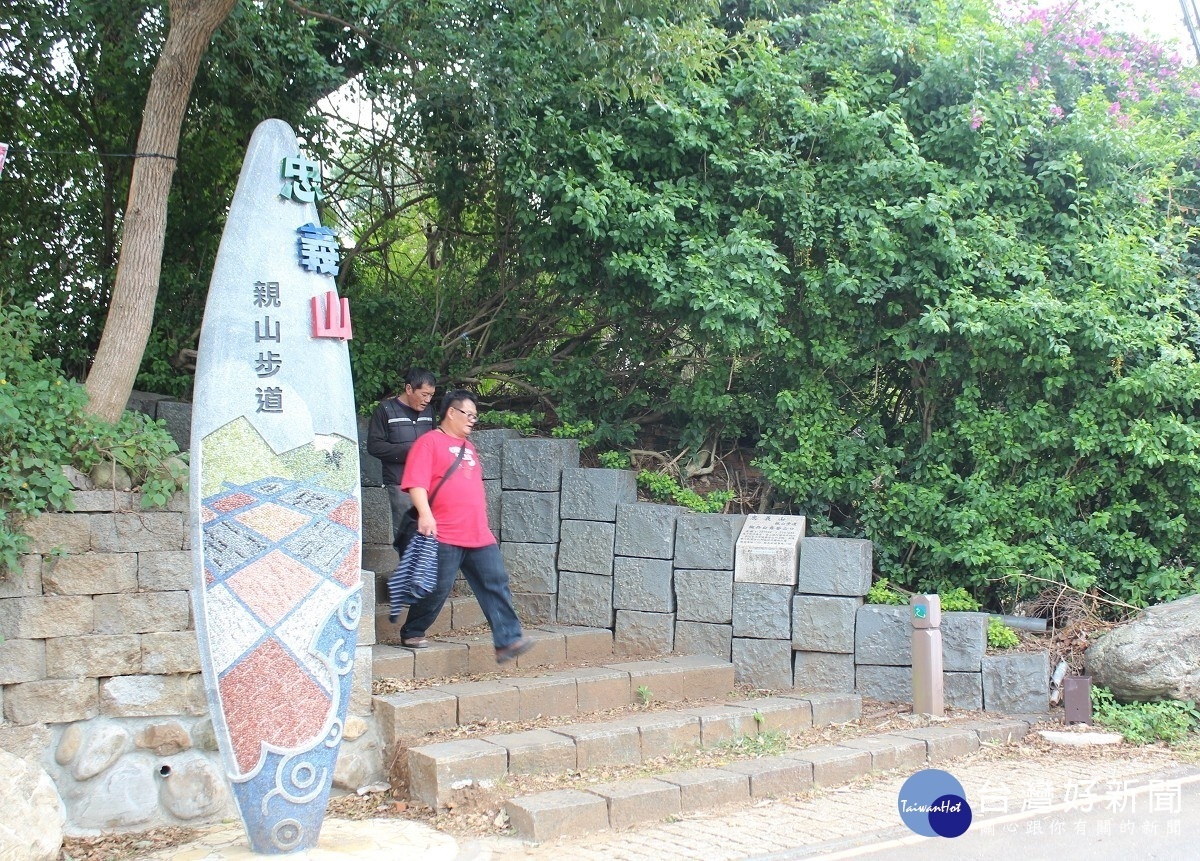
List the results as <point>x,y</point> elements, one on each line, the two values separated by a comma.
<point>768,550</point>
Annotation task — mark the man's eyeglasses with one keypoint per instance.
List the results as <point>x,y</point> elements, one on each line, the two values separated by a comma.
<point>471,417</point>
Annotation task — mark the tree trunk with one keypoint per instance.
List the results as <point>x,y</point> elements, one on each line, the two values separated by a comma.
<point>135,288</point>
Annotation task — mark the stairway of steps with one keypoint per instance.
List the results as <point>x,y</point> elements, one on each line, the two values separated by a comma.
<point>566,687</point>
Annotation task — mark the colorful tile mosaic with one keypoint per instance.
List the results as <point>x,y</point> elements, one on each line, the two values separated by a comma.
<point>281,605</point>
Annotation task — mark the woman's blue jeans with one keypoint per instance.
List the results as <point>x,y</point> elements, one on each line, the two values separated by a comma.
<point>484,569</point>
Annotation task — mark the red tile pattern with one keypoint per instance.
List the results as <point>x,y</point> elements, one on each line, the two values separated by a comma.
<point>268,699</point>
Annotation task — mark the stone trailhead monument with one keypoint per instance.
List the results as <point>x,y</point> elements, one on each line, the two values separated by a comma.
<point>275,507</point>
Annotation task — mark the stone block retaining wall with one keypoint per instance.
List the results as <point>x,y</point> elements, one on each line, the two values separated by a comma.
<point>972,679</point>
<point>581,550</point>
<point>100,670</point>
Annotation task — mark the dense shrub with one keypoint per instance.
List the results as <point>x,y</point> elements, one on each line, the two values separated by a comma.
<point>43,427</point>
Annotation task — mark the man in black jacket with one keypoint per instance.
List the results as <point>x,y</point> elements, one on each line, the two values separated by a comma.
<point>395,426</point>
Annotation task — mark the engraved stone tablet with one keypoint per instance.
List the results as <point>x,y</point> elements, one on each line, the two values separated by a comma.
<point>768,550</point>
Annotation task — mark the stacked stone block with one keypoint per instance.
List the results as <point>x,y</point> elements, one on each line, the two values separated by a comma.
<point>702,565</point>
<point>832,577</point>
<point>643,596</point>
<point>587,562</point>
<point>883,637</point>
<point>764,580</point>
<point>762,632</point>
<point>530,476</point>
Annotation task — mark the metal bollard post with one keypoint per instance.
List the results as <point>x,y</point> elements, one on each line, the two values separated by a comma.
<point>927,684</point>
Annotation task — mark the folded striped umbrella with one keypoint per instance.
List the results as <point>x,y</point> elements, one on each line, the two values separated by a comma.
<point>415,576</point>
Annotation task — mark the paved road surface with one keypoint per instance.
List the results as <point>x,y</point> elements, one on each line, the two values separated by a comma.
<point>1154,816</point>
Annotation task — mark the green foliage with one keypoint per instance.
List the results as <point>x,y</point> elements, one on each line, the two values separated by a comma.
<point>994,374</point>
<point>522,422</point>
<point>72,91</point>
<point>614,460</point>
<point>664,488</point>
<point>644,695</point>
<point>764,743</point>
<point>881,592</point>
<point>937,266</point>
<point>957,599</point>
<point>40,416</point>
<point>43,427</point>
<point>144,448</point>
<point>582,431</point>
<point>1000,636</point>
<point>1145,723</point>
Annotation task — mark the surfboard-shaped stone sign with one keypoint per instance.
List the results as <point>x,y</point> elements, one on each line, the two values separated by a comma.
<point>275,505</point>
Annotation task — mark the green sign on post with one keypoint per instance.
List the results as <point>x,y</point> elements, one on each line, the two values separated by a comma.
<point>927,683</point>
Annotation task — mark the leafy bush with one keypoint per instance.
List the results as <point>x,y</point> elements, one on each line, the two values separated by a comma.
<point>664,488</point>
<point>1000,636</point>
<point>524,423</point>
<point>43,427</point>
<point>958,599</point>
<point>996,372</point>
<point>1144,723</point>
<point>614,460</point>
<point>881,592</point>
<point>582,431</point>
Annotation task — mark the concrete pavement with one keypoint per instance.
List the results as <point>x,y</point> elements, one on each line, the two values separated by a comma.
<point>1007,793</point>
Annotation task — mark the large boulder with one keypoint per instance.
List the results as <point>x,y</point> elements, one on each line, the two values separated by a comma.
<point>31,828</point>
<point>1154,657</point>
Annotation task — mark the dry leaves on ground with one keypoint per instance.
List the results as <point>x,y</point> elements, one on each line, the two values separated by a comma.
<point>127,845</point>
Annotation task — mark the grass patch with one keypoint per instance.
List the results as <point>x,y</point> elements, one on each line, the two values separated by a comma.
<point>769,742</point>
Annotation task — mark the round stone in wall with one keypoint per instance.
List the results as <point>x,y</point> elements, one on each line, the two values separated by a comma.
<point>203,735</point>
<point>103,744</point>
<point>165,739</point>
<point>124,795</point>
<point>68,744</point>
<point>194,787</point>
<point>359,763</point>
<point>355,727</point>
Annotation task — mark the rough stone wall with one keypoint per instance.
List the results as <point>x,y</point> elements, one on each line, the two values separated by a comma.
<point>100,672</point>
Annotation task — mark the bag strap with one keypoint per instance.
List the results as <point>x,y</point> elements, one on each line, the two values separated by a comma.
<point>461,450</point>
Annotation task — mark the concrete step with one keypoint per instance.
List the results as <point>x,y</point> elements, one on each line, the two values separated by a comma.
<point>461,613</point>
<point>570,812</point>
<point>404,717</point>
<point>436,770</point>
<point>462,654</point>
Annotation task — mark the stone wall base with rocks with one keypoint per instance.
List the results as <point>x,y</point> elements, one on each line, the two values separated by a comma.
<point>100,679</point>
<point>972,679</point>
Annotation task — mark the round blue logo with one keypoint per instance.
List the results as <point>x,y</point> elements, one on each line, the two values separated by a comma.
<point>932,803</point>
